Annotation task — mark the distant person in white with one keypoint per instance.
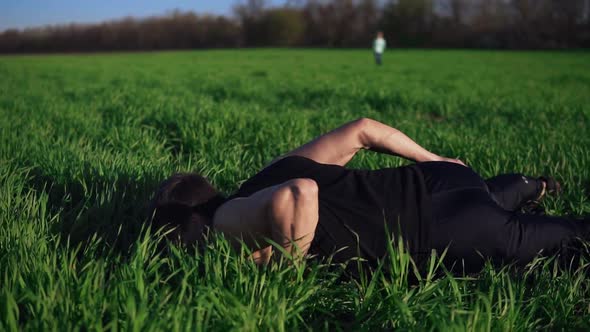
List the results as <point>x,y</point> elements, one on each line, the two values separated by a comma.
<point>379,47</point>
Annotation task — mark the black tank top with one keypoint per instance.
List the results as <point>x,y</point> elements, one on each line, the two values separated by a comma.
<point>357,207</point>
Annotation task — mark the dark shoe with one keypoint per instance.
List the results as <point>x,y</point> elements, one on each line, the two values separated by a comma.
<point>552,186</point>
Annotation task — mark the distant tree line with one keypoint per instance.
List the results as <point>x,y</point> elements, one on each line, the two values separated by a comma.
<point>511,24</point>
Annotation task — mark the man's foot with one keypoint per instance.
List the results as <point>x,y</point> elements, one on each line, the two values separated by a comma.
<point>551,187</point>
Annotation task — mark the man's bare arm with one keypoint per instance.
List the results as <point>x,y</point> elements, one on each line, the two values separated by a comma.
<point>287,214</point>
<point>341,144</point>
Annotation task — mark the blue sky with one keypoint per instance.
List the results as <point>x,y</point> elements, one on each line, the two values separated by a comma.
<point>27,13</point>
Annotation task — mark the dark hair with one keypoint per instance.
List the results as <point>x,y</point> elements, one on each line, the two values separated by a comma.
<point>181,203</point>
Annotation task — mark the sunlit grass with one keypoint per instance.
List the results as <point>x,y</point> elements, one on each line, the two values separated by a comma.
<point>86,138</point>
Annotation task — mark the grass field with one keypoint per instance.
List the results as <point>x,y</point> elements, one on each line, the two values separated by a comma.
<point>86,138</point>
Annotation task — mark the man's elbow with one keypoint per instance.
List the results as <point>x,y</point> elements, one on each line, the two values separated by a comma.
<point>363,122</point>
<point>363,130</point>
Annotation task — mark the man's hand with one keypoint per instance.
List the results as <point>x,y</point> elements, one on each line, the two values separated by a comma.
<point>450,160</point>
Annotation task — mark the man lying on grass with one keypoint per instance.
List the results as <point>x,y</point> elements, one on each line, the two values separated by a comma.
<point>310,203</point>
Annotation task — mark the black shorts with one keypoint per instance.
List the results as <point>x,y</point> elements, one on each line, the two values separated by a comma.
<point>476,219</point>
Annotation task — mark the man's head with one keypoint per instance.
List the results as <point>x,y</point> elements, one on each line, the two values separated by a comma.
<point>379,34</point>
<point>175,205</point>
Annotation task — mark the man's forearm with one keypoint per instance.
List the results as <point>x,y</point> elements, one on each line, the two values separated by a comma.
<point>382,138</point>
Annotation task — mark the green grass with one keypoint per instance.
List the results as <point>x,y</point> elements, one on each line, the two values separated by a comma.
<point>86,138</point>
